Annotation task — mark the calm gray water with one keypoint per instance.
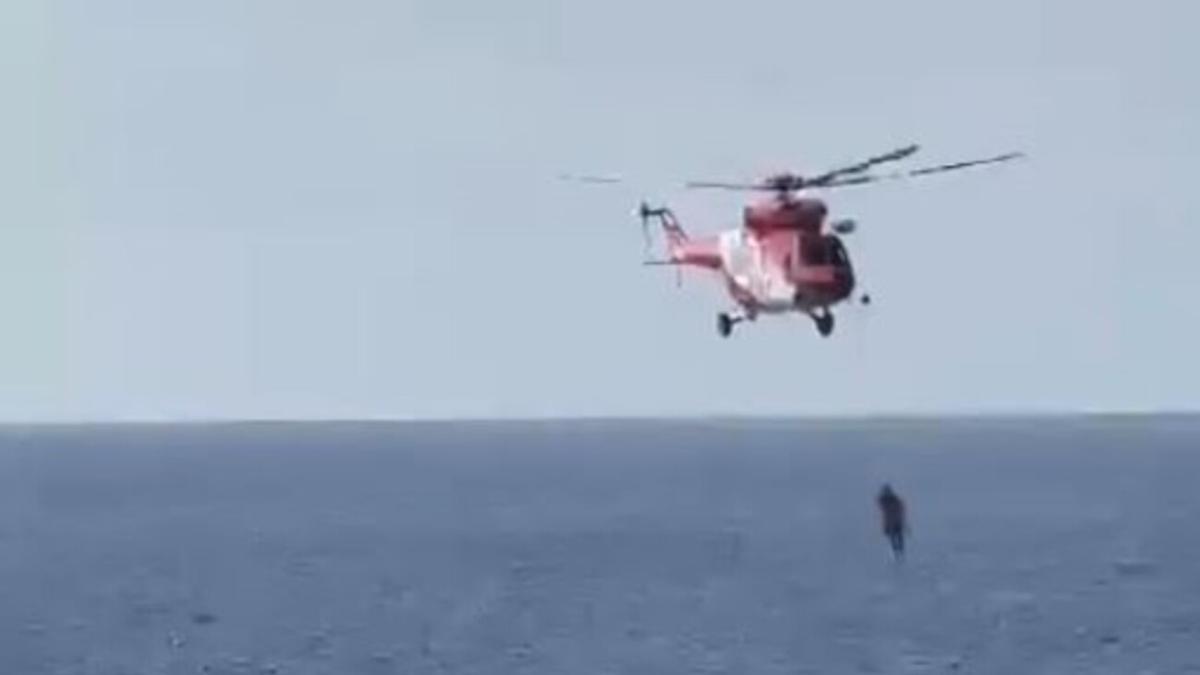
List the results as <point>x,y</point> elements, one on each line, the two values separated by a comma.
<point>1040,546</point>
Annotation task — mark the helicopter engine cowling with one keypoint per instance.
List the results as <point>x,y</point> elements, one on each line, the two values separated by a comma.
<point>797,214</point>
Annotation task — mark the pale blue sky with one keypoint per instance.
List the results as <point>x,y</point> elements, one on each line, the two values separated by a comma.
<point>349,209</point>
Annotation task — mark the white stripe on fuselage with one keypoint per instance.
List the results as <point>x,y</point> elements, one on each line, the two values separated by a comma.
<point>743,260</point>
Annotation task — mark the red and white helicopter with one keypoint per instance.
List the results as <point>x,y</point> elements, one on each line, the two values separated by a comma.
<point>786,256</point>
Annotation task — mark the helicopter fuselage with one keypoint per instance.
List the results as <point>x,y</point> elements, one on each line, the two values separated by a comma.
<point>784,270</point>
<point>780,260</point>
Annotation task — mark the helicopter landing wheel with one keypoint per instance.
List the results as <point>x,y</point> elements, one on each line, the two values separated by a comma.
<point>724,324</point>
<point>824,322</point>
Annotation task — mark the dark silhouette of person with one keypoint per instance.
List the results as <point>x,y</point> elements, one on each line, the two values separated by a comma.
<point>895,523</point>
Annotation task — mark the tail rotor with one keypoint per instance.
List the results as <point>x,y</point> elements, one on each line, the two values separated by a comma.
<point>644,212</point>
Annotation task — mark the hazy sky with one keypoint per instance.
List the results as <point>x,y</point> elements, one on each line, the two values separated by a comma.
<point>343,209</point>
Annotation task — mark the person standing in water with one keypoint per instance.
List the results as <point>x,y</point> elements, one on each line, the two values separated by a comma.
<point>895,524</point>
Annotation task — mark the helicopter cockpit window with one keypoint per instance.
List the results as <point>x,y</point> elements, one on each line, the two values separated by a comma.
<point>814,252</point>
<point>836,252</point>
<point>824,251</point>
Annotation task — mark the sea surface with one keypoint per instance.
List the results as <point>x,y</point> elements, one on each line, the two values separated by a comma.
<point>1042,545</point>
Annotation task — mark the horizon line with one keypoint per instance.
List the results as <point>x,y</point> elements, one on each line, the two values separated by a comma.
<point>701,418</point>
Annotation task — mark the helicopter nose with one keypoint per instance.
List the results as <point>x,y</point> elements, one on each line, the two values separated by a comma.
<point>843,276</point>
<point>844,280</point>
<point>826,284</point>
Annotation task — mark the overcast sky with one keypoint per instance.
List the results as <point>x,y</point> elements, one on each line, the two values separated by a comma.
<point>349,209</point>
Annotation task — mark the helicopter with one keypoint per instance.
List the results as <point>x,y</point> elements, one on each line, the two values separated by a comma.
<point>787,256</point>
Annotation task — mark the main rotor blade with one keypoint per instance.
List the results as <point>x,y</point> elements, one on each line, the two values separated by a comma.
<point>728,186</point>
<point>588,178</point>
<point>893,156</point>
<point>924,171</point>
<point>962,165</point>
<point>790,181</point>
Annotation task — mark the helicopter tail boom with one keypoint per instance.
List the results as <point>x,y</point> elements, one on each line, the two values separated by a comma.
<point>681,248</point>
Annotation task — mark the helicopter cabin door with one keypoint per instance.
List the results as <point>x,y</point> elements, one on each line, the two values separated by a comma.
<point>739,258</point>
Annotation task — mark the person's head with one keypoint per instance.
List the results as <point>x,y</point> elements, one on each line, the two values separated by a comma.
<point>886,489</point>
